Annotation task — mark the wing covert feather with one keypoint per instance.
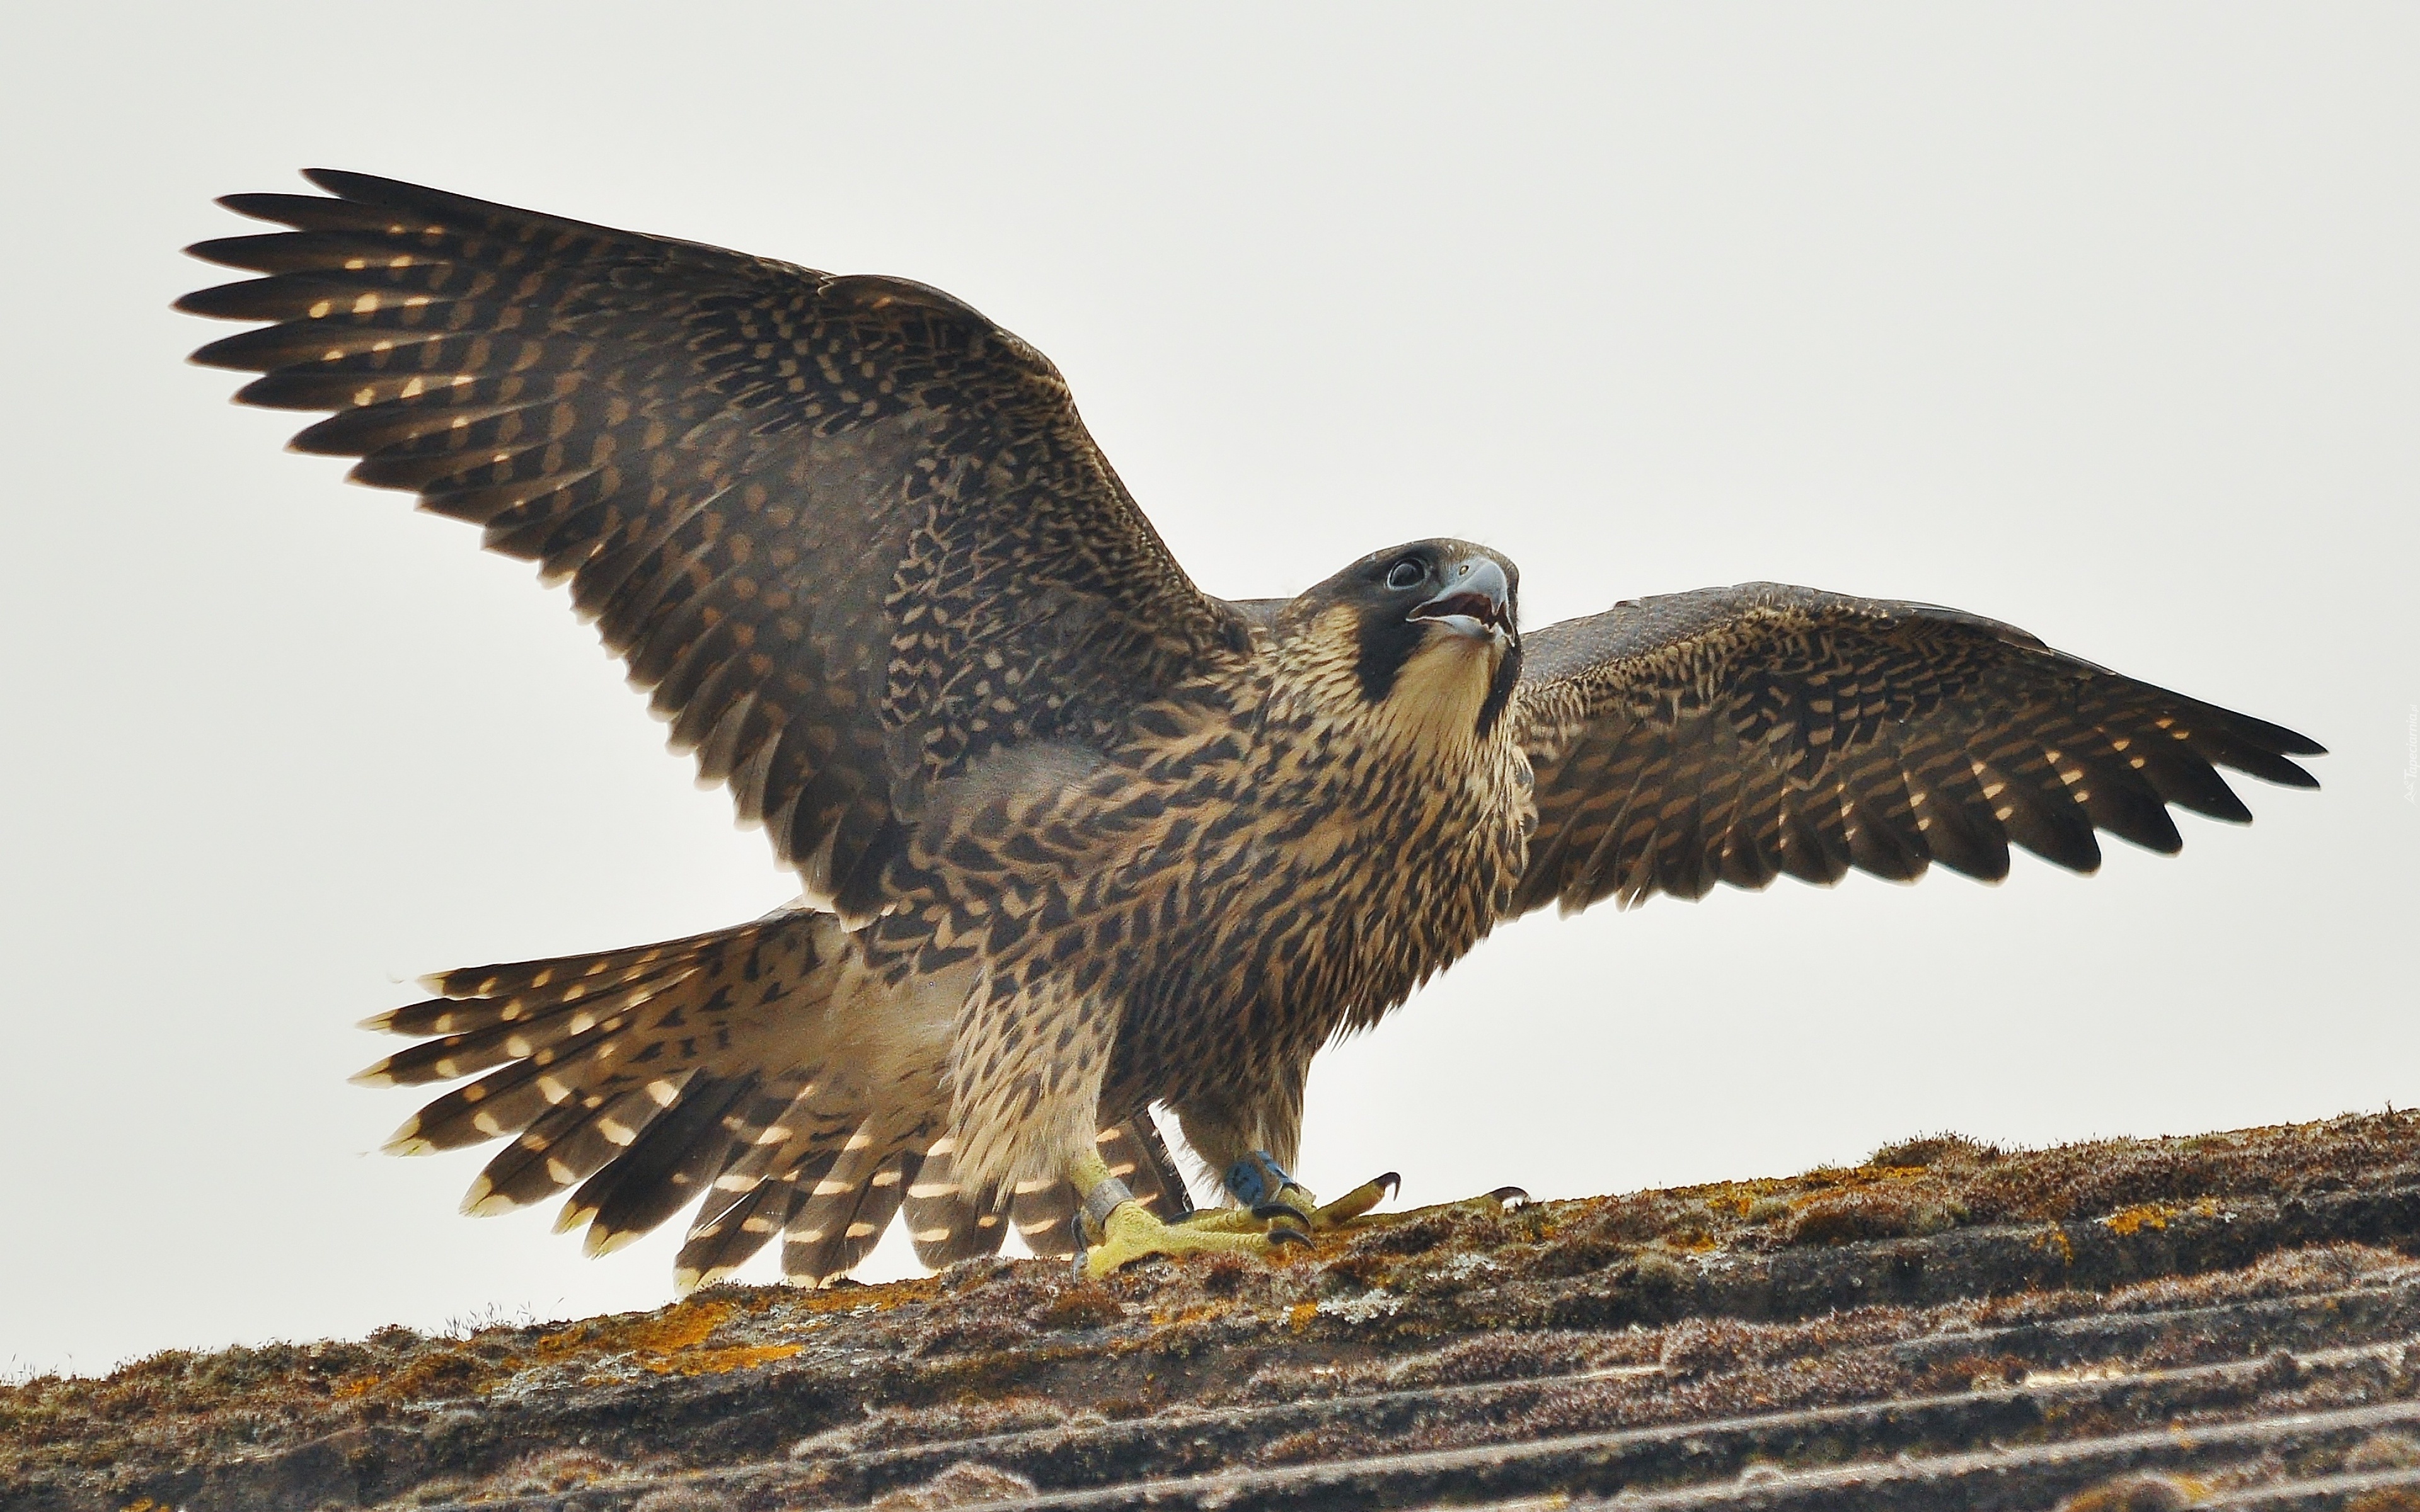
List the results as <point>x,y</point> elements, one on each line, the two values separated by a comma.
<point>1734,734</point>
<point>849,533</point>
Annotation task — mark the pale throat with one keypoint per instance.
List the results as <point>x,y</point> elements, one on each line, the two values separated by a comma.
<point>1429,715</point>
<point>1432,710</point>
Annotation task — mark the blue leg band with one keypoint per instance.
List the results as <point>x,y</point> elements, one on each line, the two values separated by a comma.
<point>1256,1179</point>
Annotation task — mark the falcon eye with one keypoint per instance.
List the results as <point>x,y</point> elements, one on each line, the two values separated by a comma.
<point>1409,573</point>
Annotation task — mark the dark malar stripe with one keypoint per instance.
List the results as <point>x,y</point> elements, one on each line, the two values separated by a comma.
<point>1388,641</point>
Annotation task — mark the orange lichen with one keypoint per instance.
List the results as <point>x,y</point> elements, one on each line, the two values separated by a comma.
<point>680,1327</point>
<point>878,1299</point>
<point>2147,1215</point>
<point>717,1362</point>
<point>437,1372</point>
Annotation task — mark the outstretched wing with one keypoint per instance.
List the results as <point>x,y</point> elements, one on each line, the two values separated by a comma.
<point>1732,735</point>
<point>852,534</point>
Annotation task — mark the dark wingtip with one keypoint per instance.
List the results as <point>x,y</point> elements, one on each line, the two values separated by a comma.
<point>2269,739</point>
<point>220,301</point>
<point>2283,741</point>
<point>391,194</point>
<point>258,206</point>
<point>347,184</point>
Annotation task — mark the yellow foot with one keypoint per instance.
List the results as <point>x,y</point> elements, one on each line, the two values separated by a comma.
<point>1292,1207</point>
<point>1351,1204</point>
<point>1133,1234</point>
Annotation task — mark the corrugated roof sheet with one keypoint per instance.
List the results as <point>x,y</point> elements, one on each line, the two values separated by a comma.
<point>2215,1322</point>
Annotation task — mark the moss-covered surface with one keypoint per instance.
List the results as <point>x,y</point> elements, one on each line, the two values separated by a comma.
<point>1939,1266</point>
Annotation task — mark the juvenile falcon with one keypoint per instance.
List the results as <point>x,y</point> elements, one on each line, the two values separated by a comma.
<point>1079,838</point>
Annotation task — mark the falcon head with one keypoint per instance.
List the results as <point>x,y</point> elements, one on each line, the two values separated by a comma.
<point>1431,631</point>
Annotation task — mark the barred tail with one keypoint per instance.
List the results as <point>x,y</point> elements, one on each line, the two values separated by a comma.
<point>759,1072</point>
<point>652,1077</point>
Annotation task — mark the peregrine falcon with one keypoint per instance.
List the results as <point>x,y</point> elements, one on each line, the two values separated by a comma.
<point>1077,839</point>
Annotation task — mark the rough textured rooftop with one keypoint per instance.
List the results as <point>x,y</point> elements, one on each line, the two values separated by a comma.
<point>2221,1322</point>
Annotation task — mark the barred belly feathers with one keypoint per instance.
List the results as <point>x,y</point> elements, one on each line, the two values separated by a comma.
<point>1077,841</point>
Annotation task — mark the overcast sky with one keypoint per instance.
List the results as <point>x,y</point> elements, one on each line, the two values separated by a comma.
<point>2098,319</point>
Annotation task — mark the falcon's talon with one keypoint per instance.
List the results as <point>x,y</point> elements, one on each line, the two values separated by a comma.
<point>1360,1200</point>
<point>1502,1199</point>
<point>1133,1234</point>
<point>1294,1210</point>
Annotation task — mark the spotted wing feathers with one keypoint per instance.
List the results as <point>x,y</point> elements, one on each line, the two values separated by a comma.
<point>1736,734</point>
<point>851,533</point>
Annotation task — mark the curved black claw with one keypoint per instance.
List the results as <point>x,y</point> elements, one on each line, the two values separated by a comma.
<point>1287,1234</point>
<point>1510,1197</point>
<point>1282,1214</point>
<point>1392,1181</point>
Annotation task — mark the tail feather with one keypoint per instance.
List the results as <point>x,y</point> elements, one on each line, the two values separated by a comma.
<point>503,1102</point>
<point>459,1013</point>
<point>782,1143</point>
<point>779,1146</point>
<point>1137,1155</point>
<point>736,1224</point>
<point>560,978</point>
<point>565,1146</point>
<point>665,1170</point>
<point>468,1053</point>
<point>847,1211</point>
<point>947,1222</point>
<point>1043,1212</point>
<point>829,1175</point>
<point>478,1034</point>
<point>759,1072</point>
<point>555,1032</point>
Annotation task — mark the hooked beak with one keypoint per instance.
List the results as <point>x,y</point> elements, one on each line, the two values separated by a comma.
<point>1477,601</point>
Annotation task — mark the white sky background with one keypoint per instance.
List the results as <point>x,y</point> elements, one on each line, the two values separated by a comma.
<point>2098,319</point>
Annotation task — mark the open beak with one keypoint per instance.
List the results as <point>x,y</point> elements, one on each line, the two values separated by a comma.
<point>1477,601</point>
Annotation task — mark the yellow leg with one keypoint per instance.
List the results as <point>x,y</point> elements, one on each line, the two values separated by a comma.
<point>1270,1199</point>
<point>1293,1206</point>
<point>1129,1232</point>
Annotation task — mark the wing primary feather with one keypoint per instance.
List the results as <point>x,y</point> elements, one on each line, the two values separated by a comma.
<point>1895,734</point>
<point>718,452</point>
